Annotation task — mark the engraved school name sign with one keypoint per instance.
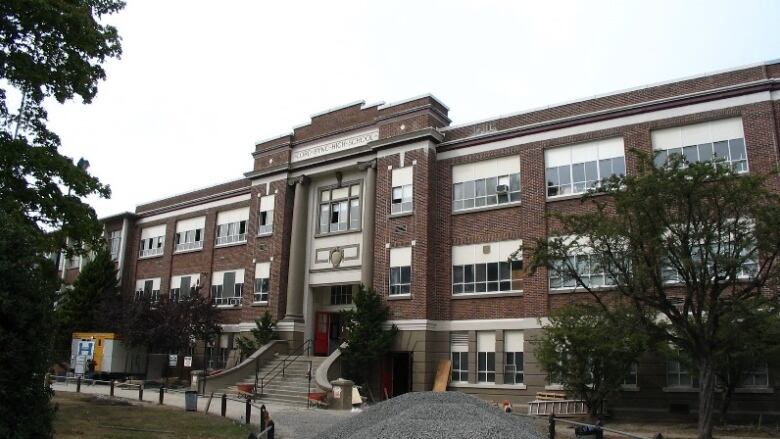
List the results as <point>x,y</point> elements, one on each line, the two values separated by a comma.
<point>334,146</point>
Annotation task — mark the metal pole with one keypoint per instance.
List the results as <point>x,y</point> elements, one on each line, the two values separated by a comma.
<point>283,361</point>
<point>257,371</point>
<point>262,386</point>
<point>308,394</point>
<point>224,404</point>
<point>162,392</point>
<point>111,391</point>
<point>78,385</point>
<point>248,409</point>
<point>141,392</point>
<point>551,426</point>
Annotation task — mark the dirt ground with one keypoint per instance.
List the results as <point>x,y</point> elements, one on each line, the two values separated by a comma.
<point>82,416</point>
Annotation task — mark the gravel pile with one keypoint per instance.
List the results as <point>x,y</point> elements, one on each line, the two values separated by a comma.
<point>446,415</point>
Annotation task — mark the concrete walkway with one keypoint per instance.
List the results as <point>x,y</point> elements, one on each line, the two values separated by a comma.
<point>291,421</point>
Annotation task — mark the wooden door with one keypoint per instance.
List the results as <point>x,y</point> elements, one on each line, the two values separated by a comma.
<point>321,327</point>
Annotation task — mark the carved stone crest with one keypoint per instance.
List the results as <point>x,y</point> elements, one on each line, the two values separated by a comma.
<point>336,256</point>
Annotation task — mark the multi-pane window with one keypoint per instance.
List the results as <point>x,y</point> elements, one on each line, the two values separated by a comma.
<point>231,232</point>
<point>148,288</point>
<point>486,357</point>
<point>632,377</point>
<point>152,241</point>
<point>401,196</point>
<point>488,277</point>
<point>579,168</point>
<point>402,199</point>
<point>487,183</point>
<point>341,295</point>
<point>340,209</point>
<point>266,216</point>
<point>231,226</point>
<point>513,352</point>
<point>115,241</point>
<point>589,268</point>
<point>189,240</point>
<point>227,288</point>
<point>400,271</point>
<point>152,246</point>
<point>678,375</point>
<point>720,141</point>
<point>262,278</point>
<point>459,348</point>
<point>184,286</point>
<point>487,268</point>
<point>756,376</point>
<point>747,270</point>
<point>489,191</point>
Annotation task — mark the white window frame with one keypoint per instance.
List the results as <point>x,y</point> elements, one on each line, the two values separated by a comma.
<point>400,276</point>
<point>262,282</point>
<point>193,240</point>
<point>602,278</point>
<point>218,296</point>
<point>154,292</point>
<point>469,260</point>
<point>347,209</point>
<point>751,376</point>
<point>513,348</point>
<point>175,292</point>
<point>231,233</point>
<point>151,247</point>
<point>401,199</point>
<point>632,378</point>
<point>675,373</point>
<point>601,153</point>
<point>486,353</point>
<point>265,217</point>
<point>115,243</point>
<point>689,141</point>
<point>459,349</point>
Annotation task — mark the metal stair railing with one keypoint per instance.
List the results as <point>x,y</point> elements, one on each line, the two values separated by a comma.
<point>286,361</point>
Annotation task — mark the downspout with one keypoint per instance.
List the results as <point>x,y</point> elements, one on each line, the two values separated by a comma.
<point>122,248</point>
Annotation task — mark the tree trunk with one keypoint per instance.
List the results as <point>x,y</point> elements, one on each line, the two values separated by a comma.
<point>706,399</point>
<point>726,402</point>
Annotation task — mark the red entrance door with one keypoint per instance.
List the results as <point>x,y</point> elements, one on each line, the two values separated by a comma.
<point>322,324</point>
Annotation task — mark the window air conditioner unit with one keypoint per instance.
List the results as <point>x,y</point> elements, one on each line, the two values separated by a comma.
<point>502,189</point>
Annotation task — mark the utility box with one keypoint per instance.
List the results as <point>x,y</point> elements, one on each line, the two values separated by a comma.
<point>342,394</point>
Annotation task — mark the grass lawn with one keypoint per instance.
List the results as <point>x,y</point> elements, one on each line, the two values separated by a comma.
<point>86,417</point>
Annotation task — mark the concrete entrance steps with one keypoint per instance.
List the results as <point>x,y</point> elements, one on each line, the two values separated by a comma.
<point>292,388</point>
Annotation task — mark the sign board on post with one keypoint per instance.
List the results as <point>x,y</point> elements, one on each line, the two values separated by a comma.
<point>173,359</point>
<point>81,362</point>
<point>187,361</point>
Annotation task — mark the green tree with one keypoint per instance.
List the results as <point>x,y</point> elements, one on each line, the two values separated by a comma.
<point>170,326</point>
<point>753,344</point>
<point>589,351</point>
<point>26,295</point>
<point>48,49</point>
<point>367,339</point>
<point>690,246</point>
<point>94,304</point>
<point>262,334</point>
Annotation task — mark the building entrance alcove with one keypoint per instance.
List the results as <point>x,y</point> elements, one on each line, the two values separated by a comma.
<point>328,324</point>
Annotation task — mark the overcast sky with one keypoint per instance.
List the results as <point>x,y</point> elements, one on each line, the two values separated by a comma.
<point>199,82</point>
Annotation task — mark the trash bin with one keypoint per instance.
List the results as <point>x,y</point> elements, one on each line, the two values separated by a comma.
<point>342,394</point>
<point>191,401</point>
